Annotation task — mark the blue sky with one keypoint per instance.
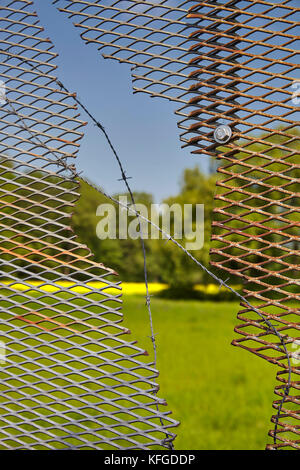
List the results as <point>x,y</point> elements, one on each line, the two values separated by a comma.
<point>143,129</point>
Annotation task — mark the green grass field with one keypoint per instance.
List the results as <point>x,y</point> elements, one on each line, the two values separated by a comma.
<point>221,394</point>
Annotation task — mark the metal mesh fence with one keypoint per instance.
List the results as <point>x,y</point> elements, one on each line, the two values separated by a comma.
<point>248,66</point>
<point>232,66</point>
<point>69,379</point>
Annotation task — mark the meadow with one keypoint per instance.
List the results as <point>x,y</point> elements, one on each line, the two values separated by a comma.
<point>221,394</point>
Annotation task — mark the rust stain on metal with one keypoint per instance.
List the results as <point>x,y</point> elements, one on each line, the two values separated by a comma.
<point>233,63</point>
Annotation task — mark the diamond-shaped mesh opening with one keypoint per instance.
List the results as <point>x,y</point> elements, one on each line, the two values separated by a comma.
<point>236,66</point>
<point>69,378</point>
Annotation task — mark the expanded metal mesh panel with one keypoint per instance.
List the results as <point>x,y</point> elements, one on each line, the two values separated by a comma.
<point>69,379</point>
<point>234,64</point>
<point>151,36</point>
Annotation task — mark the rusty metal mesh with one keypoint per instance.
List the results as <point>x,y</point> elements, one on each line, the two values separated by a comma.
<point>230,63</point>
<point>69,378</point>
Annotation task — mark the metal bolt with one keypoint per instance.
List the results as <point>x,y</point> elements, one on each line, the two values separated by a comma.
<point>222,134</point>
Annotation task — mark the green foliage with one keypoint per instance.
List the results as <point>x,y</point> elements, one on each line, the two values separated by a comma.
<point>125,256</point>
<point>175,267</point>
<point>265,173</point>
<point>31,200</point>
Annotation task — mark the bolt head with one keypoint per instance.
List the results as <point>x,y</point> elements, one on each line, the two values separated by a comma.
<point>222,134</point>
